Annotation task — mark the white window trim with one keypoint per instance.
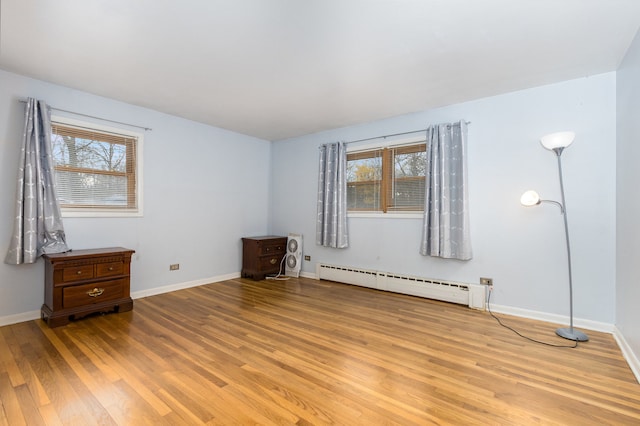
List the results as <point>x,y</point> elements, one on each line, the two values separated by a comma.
<point>389,215</point>
<point>379,144</point>
<point>98,212</point>
<point>385,143</point>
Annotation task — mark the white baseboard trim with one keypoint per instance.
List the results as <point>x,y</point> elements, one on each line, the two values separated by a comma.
<point>22,317</point>
<point>558,319</point>
<point>627,353</point>
<point>33,315</point>
<point>180,286</point>
<point>309,275</point>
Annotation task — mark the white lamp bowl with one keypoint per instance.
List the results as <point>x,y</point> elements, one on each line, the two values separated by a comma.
<point>557,140</point>
<point>530,198</point>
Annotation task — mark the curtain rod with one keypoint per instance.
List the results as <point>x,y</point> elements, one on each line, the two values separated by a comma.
<point>395,134</point>
<point>93,116</point>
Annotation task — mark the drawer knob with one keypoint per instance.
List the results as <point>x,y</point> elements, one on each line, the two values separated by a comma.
<point>273,261</point>
<point>79,272</point>
<point>111,268</point>
<point>95,292</point>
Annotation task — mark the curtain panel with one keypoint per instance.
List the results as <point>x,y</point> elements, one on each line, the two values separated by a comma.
<point>445,229</point>
<point>37,227</point>
<point>331,225</point>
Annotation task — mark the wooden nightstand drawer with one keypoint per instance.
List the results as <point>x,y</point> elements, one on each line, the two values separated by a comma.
<point>81,295</point>
<point>268,263</point>
<point>77,273</point>
<point>109,269</point>
<point>273,249</point>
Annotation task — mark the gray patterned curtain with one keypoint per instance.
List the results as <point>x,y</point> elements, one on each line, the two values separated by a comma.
<point>37,225</point>
<point>331,226</point>
<point>445,231</point>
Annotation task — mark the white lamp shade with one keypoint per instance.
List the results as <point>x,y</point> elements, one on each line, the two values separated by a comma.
<point>530,198</point>
<point>557,140</point>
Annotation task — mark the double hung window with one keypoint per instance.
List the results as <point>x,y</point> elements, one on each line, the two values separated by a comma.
<point>98,170</point>
<point>387,179</point>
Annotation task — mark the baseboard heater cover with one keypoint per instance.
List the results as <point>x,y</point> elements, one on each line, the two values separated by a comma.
<point>472,295</point>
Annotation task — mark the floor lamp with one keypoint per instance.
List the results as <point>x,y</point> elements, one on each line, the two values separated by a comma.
<point>557,142</point>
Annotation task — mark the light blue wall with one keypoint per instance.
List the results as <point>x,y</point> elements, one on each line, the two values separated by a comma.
<point>521,248</point>
<point>628,201</point>
<point>204,188</point>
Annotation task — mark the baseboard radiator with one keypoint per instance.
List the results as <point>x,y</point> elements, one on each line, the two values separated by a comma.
<point>472,295</point>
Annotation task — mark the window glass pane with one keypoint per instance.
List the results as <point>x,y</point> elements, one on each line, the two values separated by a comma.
<point>70,151</point>
<point>410,165</point>
<point>363,196</point>
<point>408,184</point>
<point>364,174</point>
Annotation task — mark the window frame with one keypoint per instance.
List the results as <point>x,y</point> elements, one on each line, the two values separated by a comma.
<point>101,211</point>
<point>385,146</point>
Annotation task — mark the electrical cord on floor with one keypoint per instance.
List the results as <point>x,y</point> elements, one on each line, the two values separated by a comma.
<point>279,277</point>
<point>575,345</point>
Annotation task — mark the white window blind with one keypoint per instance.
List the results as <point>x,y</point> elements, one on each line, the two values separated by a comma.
<point>405,190</point>
<point>95,169</point>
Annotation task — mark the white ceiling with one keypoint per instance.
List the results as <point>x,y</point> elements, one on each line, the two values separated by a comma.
<point>275,69</point>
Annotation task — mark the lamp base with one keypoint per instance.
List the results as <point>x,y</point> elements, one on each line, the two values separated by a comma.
<point>572,334</point>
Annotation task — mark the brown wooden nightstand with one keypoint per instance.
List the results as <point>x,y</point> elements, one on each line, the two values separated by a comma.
<point>262,256</point>
<point>81,282</point>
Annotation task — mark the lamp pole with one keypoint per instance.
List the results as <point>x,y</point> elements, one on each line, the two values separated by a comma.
<point>568,333</point>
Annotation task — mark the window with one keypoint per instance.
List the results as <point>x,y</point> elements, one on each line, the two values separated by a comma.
<point>387,179</point>
<point>98,170</point>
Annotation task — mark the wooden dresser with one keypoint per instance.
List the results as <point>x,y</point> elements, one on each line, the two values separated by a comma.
<point>81,282</point>
<point>262,256</point>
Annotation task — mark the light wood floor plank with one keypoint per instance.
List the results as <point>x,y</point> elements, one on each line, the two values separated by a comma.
<point>307,352</point>
<point>11,410</point>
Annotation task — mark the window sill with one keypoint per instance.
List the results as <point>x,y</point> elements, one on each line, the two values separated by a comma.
<point>392,215</point>
<point>100,213</point>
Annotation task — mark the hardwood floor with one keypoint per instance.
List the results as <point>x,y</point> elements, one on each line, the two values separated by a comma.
<point>306,352</point>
